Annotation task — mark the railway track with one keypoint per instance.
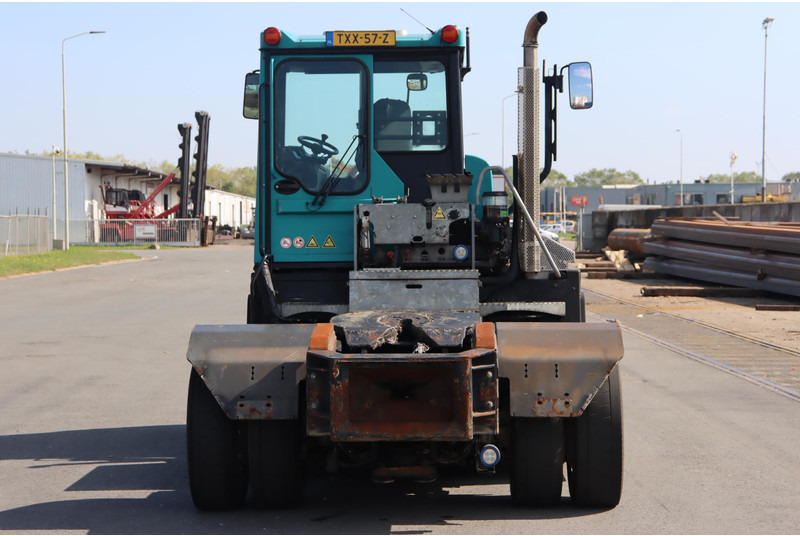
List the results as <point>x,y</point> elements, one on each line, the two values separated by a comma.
<point>767,365</point>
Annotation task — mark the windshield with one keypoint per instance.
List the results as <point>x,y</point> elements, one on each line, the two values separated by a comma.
<point>410,103</point>
<point>319,124</point>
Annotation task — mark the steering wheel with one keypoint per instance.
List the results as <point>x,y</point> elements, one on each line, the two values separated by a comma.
<point>319,148</point>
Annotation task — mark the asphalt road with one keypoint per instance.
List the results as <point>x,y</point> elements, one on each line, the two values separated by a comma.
<point>93,381</point>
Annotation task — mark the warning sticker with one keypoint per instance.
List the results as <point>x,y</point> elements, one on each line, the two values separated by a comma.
<point>439,215</point>
<point>312,242</point>
<point>299,242</point>
<point>329,243</point>
<point>286,243</point>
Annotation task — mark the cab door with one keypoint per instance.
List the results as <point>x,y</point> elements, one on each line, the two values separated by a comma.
<point>320,157</point>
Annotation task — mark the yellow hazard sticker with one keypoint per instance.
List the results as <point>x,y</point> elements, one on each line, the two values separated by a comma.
<point>439,215</point>
<point>312,242</point>
<point>328,243</point>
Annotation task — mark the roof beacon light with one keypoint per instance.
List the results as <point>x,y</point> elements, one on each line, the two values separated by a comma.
<point>450,34</point>
<point>272,36</point>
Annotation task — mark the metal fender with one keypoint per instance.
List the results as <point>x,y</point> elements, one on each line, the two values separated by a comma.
<point>253,370</point>
<point>555,369</point>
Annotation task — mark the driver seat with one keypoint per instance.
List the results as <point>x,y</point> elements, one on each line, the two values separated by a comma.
<point>392,125</point>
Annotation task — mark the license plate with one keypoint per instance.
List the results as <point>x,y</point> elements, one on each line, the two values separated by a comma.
<point>384,38</point>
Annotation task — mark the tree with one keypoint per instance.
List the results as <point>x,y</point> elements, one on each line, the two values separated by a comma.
<point>240,181</point>
<point>741,176</point>
<point>792,177</point>
<point>556,178</point>
<point>91,155</point>
<point>599,177</point>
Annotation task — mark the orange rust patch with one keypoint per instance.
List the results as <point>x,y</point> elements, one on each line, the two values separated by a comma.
<point>485,336</point>
<point>323,338</point>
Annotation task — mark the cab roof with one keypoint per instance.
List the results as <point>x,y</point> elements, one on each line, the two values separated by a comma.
<point>275,38</point>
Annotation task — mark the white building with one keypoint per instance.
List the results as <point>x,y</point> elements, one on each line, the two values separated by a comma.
<point>230,209</point>
<point>35,185</point>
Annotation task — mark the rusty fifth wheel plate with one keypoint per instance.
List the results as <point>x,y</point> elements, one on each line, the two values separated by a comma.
<point>374,329</point>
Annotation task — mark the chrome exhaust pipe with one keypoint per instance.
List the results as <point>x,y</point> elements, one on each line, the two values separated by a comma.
<point>531,41</point>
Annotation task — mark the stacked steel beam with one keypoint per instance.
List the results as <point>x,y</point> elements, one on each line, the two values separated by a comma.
<point>758,255</point>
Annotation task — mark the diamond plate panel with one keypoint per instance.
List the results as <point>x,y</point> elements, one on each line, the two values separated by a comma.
<point>528,150</point>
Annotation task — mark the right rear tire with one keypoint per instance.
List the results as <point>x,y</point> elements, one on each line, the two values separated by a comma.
<point>594,440</point>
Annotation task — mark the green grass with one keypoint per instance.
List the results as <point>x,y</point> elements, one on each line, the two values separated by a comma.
<point>56,259</point>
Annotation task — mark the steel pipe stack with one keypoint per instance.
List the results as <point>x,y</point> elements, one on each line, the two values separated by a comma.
<point>759,255</point>
<point>631,240</point>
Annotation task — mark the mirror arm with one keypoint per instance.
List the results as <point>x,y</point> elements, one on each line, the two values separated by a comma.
<point>552,83</point>
<point>561,78</point>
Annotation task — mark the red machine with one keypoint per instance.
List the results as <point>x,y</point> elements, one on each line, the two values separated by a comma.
<point>129,212</point>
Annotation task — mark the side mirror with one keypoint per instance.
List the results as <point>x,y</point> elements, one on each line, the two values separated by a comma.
<point>417,82</point>
<point>580,85</point>
<point>251,84</point>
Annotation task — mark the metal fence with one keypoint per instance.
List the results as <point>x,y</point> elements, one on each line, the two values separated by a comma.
<point>169,232</point>
<point>24,235</point>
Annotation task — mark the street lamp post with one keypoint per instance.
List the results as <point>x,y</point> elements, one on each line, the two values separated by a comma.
<point>66,152</point>
<point>681,179</point>
<point>765,24</point>
<point>56,150</point>
<point>503,127</point>
<point>734,156</point>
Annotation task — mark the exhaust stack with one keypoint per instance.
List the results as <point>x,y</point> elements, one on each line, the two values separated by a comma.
<point>531,41</point>
<point>528,141</point>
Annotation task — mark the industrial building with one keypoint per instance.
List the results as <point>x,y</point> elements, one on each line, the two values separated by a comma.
<point>35,185</point>
<point>663,194</point>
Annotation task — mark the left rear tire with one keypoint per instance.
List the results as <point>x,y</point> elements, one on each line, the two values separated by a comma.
<point>217,472</point>
<point>537,461</point>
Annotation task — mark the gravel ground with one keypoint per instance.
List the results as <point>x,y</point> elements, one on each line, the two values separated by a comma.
<point>781,328</point>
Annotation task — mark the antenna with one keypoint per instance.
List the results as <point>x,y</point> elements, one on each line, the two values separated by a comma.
<point>417,20</point>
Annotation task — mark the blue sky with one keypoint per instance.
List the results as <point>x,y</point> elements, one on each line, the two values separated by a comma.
<point>658,67</point>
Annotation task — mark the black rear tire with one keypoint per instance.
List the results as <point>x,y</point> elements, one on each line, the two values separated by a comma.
<point>537,461</point>
<point>594,461</point>
<point>169,235</point>
<point>217,472</point>
<point>277,474</point>
<point>110,235</point>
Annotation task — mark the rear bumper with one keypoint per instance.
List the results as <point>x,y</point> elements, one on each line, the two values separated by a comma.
<point>395,397</point>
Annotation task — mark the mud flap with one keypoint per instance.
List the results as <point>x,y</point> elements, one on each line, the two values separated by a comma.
<point>253,371</point>
<point>555,369</point>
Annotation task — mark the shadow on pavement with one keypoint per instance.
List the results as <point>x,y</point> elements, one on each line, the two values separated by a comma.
<point>151,460</point>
